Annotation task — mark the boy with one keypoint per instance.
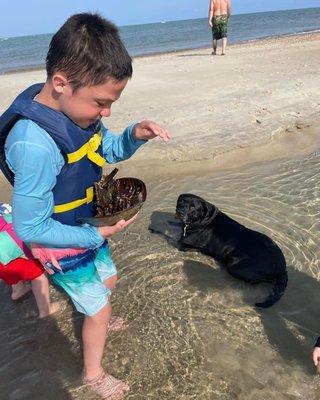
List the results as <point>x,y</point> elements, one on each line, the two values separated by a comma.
<point>17,267</point>
<point>56,150</point>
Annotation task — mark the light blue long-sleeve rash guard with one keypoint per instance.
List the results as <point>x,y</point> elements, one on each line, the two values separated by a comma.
<point>36,161</point>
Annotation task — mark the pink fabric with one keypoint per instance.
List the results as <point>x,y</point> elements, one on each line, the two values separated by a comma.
<point>45,255</point>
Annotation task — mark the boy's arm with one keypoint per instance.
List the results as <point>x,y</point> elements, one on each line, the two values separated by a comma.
<point>121,147</point>
<point>36,161</point>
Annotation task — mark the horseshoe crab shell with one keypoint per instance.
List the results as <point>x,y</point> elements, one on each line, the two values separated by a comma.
<point>116,199</point>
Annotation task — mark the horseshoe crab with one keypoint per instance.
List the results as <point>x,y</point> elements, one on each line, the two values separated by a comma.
<point>116,199</point>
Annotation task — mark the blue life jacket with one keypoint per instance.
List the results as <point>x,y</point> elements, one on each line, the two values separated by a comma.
<point>81,149</point>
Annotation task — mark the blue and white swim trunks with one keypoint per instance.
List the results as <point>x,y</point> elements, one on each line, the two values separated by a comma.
<point>85,284</point>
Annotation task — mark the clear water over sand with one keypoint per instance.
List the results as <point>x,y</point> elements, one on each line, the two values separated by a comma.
<point>194,333</point>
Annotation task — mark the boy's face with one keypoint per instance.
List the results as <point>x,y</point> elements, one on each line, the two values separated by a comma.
<point>90,103</point>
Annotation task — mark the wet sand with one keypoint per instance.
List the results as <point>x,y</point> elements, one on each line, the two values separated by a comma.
<point>246,138</point>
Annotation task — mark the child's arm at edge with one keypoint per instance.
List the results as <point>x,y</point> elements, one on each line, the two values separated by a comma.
<point>316,352</point>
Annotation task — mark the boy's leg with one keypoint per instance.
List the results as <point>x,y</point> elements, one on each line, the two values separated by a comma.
<point>108,274</point>
<point>94,333</point>
<point>40,289</point>
<point>91,297</point>
<point>110,283</point>
<point>115,324</point>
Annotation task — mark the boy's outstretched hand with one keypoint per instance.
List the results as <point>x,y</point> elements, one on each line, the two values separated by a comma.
<point>146,130</point>
<point>108,231</point>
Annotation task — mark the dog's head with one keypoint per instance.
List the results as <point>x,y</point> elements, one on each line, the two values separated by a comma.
<point>193,210</point>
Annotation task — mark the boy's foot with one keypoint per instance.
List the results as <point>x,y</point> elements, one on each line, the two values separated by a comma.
<point>213,53</point>
<point>223,54</point>
<point>20,290</point>
<point>54,307</point>
<point>108,387</point>
<point>117,324</point>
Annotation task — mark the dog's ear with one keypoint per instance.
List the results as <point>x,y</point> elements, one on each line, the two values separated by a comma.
<point>194,209</point>
<point>205,211</point>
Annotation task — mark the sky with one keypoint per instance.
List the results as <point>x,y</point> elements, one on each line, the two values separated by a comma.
<point>29,17</point>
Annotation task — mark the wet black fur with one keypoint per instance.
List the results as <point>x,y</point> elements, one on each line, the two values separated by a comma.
<point>246,254</point>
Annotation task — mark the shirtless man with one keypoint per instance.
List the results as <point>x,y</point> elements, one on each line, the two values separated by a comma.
<point>219,13</point>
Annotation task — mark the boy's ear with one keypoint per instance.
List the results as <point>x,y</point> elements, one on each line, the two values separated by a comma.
<point>59,82</point>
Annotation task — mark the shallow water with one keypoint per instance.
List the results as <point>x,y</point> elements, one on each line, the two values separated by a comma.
<point>194,333</point>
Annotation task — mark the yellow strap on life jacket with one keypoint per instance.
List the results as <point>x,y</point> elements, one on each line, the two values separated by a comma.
<point>76,203</point>
<point>88,149</point>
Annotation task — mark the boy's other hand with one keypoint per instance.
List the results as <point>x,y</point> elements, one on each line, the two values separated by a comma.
<point>108,231</point>
<point>316,355</point>
<point>146,130</point>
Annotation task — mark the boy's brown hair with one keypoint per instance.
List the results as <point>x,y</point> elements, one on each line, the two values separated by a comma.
<point>88,49</point>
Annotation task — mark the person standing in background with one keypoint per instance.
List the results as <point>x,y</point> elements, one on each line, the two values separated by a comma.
<point>219,13</point>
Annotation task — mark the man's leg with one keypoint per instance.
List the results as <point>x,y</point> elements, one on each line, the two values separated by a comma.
<point>214,46</point>
<point>224,45</point>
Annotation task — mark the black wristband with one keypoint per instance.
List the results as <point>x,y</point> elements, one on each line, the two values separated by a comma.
<point>317,342</point>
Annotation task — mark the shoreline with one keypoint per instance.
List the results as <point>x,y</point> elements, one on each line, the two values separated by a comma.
<point>259,40</point>
<point>293,143</point>
<point>257,104</point>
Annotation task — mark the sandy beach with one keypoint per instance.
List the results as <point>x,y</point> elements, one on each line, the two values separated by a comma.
<point>246,136</point>
<point>260,102</point>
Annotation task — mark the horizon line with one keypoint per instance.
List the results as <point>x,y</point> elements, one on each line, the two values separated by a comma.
<point>168,21</point>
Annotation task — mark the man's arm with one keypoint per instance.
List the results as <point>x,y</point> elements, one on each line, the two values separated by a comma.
<point>211,10</point>
<point>229,8</point>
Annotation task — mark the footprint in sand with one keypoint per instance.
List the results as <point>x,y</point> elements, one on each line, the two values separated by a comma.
<point>295,114</point>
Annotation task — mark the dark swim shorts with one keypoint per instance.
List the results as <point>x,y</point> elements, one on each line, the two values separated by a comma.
<point>219,26</point>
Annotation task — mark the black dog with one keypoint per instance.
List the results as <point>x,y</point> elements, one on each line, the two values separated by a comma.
<point>247,254</point>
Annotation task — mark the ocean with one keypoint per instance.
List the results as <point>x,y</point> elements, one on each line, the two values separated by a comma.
<point>28,52</point>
